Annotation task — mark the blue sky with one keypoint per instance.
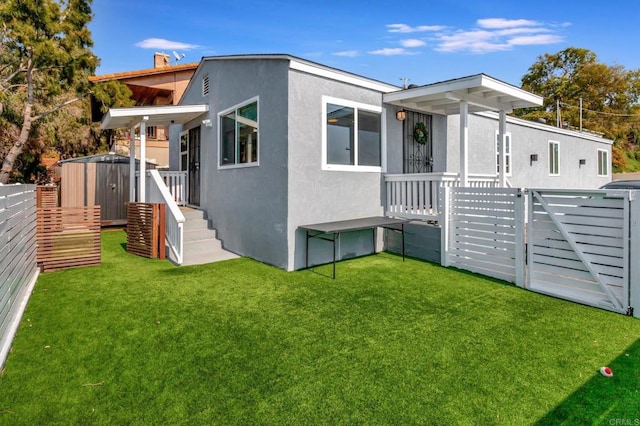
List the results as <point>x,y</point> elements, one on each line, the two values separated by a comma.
<point>424,41</point>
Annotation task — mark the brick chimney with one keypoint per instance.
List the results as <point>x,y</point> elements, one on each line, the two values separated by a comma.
<point>160,60</point>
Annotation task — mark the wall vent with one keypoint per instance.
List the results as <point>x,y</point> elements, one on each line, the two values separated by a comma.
<point>205,85</point>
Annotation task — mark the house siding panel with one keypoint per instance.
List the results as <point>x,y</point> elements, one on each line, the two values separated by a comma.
<point>248,205</point>
<point>317,195</point>
<point>527,140</point>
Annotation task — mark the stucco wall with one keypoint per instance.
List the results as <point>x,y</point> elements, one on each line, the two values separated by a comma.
<point>527,139</point>
<point>247,205</point>
<point>317,195</point>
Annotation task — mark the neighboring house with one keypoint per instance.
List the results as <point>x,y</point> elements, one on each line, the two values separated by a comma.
<point>273,142</point>
<point>163,84</point>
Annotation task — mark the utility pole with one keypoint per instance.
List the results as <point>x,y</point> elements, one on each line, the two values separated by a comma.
<point>580,114</point>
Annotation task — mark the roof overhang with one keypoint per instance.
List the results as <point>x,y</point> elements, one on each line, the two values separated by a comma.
<point>482,92</point>
<point>118,118</point>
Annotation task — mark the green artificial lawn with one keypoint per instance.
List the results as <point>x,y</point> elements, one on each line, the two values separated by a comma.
<point>139,341</point>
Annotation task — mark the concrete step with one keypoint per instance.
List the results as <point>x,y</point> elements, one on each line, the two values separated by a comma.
<point>199,234</point>
<point>201,244</point>
<point>196,224</point>
<point>191,213</point>
<point>205,251</point>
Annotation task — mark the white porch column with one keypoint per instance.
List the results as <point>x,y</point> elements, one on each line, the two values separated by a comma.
<point>464,143</point>
<point>502,130</point>
<point>143,164</point>
<point>132,164</point>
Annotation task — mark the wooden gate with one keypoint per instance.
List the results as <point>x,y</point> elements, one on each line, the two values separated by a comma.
<point>578,246</point>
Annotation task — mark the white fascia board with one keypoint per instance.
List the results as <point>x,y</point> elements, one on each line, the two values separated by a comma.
<point>472,84</point>
<point>341,76</point>
<point>129,117</point>
<point>511,91</point>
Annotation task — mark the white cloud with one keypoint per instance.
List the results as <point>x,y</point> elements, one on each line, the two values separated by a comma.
<point>498,34</point>
<point>535,39</point>
<point>347,53</point>
<point>392,51</point>
<point>472,41</point>
<point>497,23</point>
<point>162,44</point>
<point>412,42</point>
<point>404,28</point>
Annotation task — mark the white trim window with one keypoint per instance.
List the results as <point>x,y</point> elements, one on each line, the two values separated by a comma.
<point>603,162</point>
<point>238,135</point>
<point>554,158</point>
<point>351,136</point>
<point>184,150</point>
<point>507,154</point>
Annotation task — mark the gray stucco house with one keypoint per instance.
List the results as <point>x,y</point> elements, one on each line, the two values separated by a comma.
<point>285,142</point>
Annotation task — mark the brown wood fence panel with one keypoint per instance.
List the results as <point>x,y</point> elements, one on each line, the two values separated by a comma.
<point>68,237</point>
<point>47,196</point>
<point>146,229</point>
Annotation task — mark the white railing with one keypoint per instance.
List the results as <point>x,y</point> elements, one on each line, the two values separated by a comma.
<point>157,192</point>
<point>176,182</point>
<point>416,195</point>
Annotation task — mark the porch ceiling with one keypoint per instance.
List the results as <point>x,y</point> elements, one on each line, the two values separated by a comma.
<point>118,118</point>
<point>482,92</point>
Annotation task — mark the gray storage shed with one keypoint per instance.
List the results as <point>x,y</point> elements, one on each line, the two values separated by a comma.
<point>101,179</point>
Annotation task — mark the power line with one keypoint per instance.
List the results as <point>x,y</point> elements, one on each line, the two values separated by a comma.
<point>612,114</point>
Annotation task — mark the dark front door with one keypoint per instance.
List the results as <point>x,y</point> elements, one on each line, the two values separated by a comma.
<point>418,151</point>
<point>194,166</point>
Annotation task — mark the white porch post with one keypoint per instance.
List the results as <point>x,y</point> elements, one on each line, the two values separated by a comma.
<point>502,130</point>
<point>464,143</point>
<point>143,164</point>
<point>132,164</point>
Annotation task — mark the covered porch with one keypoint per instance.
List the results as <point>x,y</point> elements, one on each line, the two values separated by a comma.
<point>416,195</point>
<point>152,186</point>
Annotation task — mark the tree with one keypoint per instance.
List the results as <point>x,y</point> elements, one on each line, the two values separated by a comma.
<point>45,61</point>
<point>609,93</point>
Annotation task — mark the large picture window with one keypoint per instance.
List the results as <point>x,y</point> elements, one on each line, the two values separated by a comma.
<point>554,158</point>
<point>603,162</point>
<point>352,136</point>
<point>239,135</point>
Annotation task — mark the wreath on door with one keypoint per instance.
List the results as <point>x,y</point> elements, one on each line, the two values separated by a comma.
<point>420,133</point>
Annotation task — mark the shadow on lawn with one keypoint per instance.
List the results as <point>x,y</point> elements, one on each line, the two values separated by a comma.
<point>603,400</point>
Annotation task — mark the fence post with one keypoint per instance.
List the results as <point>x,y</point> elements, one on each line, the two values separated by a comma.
<point>519,231</point>
<point>634,252</point>
<point>445,193</point>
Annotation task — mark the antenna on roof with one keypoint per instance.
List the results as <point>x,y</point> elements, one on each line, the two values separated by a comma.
<point>405,80</point>
<point>178,56</point>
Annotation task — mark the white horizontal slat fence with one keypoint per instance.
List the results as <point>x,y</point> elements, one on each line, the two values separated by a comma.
<point>483,231</point>
<point>18,267</point>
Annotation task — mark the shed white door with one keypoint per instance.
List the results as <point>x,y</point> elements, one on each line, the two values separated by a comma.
<point>578,246</point>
